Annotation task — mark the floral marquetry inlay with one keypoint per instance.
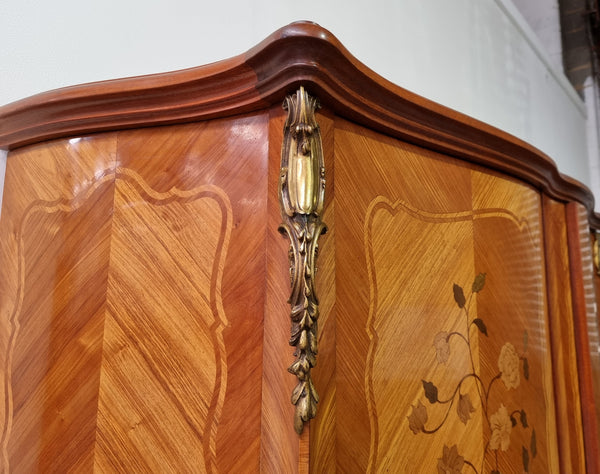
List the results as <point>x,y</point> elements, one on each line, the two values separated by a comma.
<point>500,420</point>
<point>456,371</point>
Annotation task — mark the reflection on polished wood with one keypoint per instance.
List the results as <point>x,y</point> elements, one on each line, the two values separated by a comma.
<point>125,348</point>
<point>53,303</point>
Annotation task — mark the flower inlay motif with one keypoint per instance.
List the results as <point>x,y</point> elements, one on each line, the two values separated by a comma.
<point>500,421</point>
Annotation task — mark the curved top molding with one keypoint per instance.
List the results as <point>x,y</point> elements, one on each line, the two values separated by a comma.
<point>300,53</point>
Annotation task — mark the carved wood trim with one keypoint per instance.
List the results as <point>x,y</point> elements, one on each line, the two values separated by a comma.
<point>298,53</point>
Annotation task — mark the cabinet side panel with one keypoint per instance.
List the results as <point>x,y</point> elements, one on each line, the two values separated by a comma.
<point>582,288</point>
<point>323,427</point>
<point>54,254</point>
<point>562,333</point>
<point>180,388</point>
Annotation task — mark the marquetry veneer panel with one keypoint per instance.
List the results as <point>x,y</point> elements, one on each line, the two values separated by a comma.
<point>53,303</point>
<point>418,358</point>
<point>134,317</point>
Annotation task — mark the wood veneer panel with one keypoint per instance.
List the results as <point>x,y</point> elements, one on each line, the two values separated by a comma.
<point>562,331</point>
<point>280,445</point>
<point>373,176</point>
<point>323,428</point>
<point>54,250</point>
<point>181,375</point>
<point>581,284</point>
<point>412,226</point>
<point>508,241</point>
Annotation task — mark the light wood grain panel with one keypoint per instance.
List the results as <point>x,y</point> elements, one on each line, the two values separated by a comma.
<point>54,240</point>
<point>411,304</point>
<point>374,178</point>
<point>180,387</point>
<point>323,428</point>
<point>164,367</point>
<point>508,243</point>
<point>181,372</point>
<point>280,445</point>
<point>413,231</point>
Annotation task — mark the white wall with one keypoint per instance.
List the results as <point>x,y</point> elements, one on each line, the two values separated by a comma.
<point>543,16</point>
<point>477,56</point>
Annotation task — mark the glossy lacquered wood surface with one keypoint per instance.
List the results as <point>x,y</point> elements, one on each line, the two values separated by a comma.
<point>586,328</point>
<point>132,301</point>
<point>562,330</point>
<point>410,224</point>
<point>281,447</point>
<point>300,53</point>
<point>53,303</point>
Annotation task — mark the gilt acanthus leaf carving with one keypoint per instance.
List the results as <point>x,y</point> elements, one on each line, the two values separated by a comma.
<point>301,196</point>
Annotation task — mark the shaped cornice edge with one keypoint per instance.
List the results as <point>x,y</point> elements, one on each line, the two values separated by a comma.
<point>301,53</point>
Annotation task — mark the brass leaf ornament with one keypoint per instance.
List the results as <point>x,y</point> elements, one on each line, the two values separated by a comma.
<point>301,197</point>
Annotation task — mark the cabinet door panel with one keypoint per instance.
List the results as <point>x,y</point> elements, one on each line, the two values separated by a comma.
<point>55,245</point>
<point>132,302</point>
<point>181,374</point>
<point>441,322</point>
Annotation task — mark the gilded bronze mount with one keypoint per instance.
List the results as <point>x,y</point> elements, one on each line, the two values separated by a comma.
<point>301,198</point>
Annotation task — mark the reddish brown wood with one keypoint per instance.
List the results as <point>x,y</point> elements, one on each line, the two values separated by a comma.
<point>280,445</point>
<point>562,339</point>
<point>323,428</point>
<point>205,92</point>
<point>299,53</point>
<point>132,299</point>
<point>586,387</point>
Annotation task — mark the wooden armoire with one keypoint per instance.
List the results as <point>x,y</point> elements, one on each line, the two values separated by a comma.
<point>282,263</point>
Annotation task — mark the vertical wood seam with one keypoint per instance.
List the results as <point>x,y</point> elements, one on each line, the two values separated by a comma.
<point>109,256</point>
